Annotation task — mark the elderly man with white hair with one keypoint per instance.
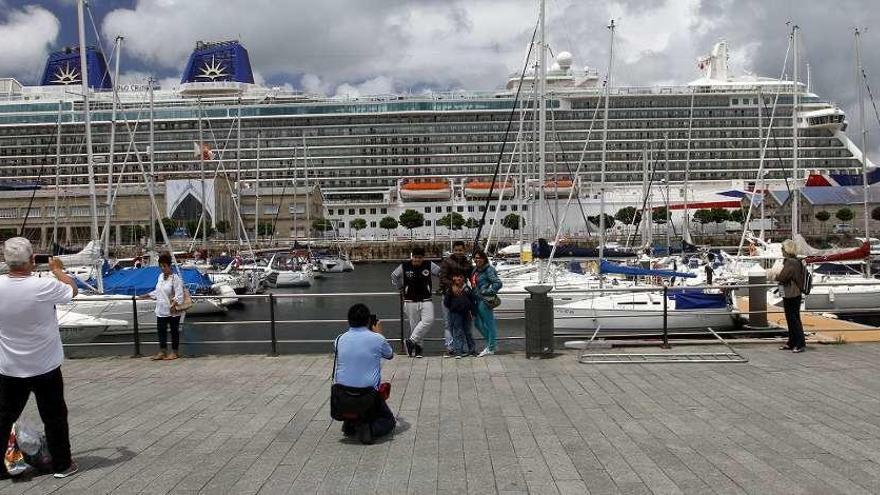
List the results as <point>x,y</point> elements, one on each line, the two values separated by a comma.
<point>30,349</point>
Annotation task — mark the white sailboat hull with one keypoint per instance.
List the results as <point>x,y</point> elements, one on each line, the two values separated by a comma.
<point>637,313</point>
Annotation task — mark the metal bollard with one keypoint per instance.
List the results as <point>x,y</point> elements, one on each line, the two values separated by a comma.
<point>272,334</point>
<point>758,298</point>
<point>539,322</point>
<point>666,318</point>
<point>136,327</point>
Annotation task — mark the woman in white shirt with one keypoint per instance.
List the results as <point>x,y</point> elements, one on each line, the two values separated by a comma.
<point>168,293</point>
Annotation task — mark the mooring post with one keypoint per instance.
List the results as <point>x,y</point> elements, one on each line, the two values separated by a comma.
<point>136,327</point>
<point>666,317</point>
<point>757,297</point>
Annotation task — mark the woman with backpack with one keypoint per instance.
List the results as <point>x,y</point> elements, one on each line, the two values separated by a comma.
<point>791,279</point>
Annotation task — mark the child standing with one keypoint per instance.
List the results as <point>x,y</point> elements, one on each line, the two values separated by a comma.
<point>459,301</point>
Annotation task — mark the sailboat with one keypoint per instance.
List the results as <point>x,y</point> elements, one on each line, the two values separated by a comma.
<point>851,292</point>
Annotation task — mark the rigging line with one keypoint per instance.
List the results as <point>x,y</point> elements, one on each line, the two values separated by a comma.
<point>506,137</point>
<point>100,44</point>
<point>574,175</point>
<point>765,144</point>
<point>38,179</point>
<point>871,97</point>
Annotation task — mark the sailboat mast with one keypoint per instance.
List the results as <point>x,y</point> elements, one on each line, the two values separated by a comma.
<point>795,171</point>
<point>112,155</point>
<point>605,145</point>
<point>238,169</point>
<point>151,153</point>
<point>87,118</point>
<point>542,111</point>
<point>668,197</point>
<point>686,228</point>
<point>204,219</point>
<point>762,179</point>
<point>862,122</point>
<point>308,196</point>
<point>257,192</point>
<point>57,176</point>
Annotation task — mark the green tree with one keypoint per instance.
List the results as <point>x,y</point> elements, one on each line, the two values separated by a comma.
<point>223,226</point>
<point>659,215</point>
<point>738,216</point>
<point>719,215</point>
<point>192,227</point>
<point>170,226</point>
<point>412,219</point>
<point>609,221</point>
<point>322,225</point>
<point>823,216</point>
<point>471,223</point>
<point>845,215</point>
<point>703,217</point>
<point>513,222</point>
<point>266,229</point>
<point>452,221</point>
<point>628,215</point>
<point>358,224</point>
<point>388,223</point>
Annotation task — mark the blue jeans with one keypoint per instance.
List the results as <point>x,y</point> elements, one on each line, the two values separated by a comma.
<point>462,340</point>
<point>485,322</point>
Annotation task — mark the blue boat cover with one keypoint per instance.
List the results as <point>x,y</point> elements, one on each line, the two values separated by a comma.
<point>697,299</point>
<point>140,281</point>
<point>608,267</point>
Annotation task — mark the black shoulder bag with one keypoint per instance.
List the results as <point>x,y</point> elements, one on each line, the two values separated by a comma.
<point>350,403</point>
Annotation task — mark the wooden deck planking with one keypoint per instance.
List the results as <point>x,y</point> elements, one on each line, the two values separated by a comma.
<point>781,423</point>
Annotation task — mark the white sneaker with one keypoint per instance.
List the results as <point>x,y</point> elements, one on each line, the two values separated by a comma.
<point>486,352</point>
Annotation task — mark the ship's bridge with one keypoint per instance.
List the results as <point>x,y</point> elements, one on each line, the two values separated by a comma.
<point>831,118</point>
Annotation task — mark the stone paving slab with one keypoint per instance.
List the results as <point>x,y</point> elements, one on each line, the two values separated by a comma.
<point>782,423</point>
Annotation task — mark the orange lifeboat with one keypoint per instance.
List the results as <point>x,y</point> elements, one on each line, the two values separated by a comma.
<point>558,188</point>
<point>427,189</point>
<point>480,189</point>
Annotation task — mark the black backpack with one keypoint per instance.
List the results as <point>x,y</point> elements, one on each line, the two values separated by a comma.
<point>807,280</point>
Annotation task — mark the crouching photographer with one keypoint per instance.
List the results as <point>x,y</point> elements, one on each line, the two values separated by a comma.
<point>357,396</point>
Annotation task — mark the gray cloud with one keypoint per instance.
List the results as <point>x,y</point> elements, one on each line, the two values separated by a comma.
<point>28,34</point>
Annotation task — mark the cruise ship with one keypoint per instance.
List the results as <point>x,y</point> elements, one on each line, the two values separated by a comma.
<point>377,156</point>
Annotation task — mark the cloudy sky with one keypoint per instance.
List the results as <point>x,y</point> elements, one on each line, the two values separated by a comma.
<point>382,46</point>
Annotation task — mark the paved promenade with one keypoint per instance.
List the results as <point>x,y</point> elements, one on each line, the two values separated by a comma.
<point>782,423</point>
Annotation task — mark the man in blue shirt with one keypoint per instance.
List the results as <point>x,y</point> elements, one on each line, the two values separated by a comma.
<point>359,355</point>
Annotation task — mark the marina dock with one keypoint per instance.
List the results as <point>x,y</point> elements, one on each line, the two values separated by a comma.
<point>824,327</point>
<point>781,423</point>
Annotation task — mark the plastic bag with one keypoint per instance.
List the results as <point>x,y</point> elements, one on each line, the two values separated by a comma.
<point>28,437</point>
<point>32,443</point>
<point>14,459</point>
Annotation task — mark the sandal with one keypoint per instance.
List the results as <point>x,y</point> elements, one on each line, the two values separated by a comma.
<point>172,356</point>
<point>159,356</point>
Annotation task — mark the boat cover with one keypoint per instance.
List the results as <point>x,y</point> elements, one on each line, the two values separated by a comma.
<point>697,299</point>
<point>609,267</point>
<point>139,281</point>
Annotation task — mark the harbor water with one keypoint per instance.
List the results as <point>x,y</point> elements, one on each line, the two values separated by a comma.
<point>303,324</point>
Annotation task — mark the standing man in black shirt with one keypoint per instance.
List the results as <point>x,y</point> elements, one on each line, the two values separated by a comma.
<point>413,279</point>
